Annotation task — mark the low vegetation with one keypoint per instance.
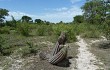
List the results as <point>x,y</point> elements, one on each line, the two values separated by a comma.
<point>92,24</point>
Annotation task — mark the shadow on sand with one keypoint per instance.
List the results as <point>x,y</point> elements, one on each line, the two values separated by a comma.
<point>65,62</point>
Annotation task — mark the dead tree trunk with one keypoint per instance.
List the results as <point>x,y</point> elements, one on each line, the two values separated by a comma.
<point>59,52</point>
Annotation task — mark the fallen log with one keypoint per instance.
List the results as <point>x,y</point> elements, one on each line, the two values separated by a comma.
<point>59,56</point>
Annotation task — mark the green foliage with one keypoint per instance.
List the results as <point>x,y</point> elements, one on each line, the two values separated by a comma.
<point>5,30</point>
<point>26,19</point>
<point>38,21</point>
<point>108,19</point>
<point>23,29</point>
<point>107,32</point>
<point>69,29</point>
<point>4,48</point>
<point>71,36</point>
<point>95,11</point>
<point>79,19</point>
<point>3,13</point>
<point>7,52</point>
<point>1,42</point>
<point>49,30</point>
<point>33,48</point>
<point>41,30</point>
<point>29,49</point>
<point>25,51</point>
<point>91,34</point>
<point>11,23</point>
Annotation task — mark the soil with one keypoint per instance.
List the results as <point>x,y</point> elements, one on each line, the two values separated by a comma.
<point>38,64</point>
<point>82,55</point>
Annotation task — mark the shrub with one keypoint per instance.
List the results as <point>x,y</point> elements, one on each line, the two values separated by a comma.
<point>1,43</point>
<point>70,30</point>
<point>5,30</point>
<point>4,49</point>
<point>41,30</point>
<point>107,32</point>
<point>49,30</point>
<point>91,34</point>
<point>33,48</point>
<point>25,50</point>
<point>29,49</point>
<point>7,52</point>
<point>23,29</point>
<point>78,19</point>
<point>71,36</point>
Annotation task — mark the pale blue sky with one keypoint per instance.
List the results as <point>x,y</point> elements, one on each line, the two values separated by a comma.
<point>50,10</point>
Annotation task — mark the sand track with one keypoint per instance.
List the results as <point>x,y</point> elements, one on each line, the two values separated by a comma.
<point>86,60</point>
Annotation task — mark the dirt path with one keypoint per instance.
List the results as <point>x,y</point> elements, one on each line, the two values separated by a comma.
<point>86,60</point>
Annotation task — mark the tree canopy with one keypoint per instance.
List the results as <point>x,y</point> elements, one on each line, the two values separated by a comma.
<point>3,13</point>
<point>78,19</point>
<point>26,19</point>
<point>95,11</point>
<point>38,21</point>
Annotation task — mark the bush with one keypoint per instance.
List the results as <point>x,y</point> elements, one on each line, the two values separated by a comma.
<point>41,30</point>
<point>5,30</point>
<point>4,49</point>
<point>1,43</point>
<point>89,30</point>
<point>91,34</point>
<point>71,35</point>
<point>107,32</point>
<point>29,49</point>
<point>23,29</point>
<point>33,48</point>
<point>49,30</point>
<point>25,50</point>
<point>7,52</point>
<point>68,28</point>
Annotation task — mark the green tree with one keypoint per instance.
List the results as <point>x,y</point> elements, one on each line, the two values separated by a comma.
<point>39,21</point>
<point>26,19</point>
<point>79,19</point>
<point>95,11</point>
<point>3,13</point>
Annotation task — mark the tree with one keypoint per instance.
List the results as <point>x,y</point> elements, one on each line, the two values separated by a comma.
<point>79,19</point>
<point>3,13</point>
<point>95,11</point>
<point>11,23</point>
<point>38,21</point>
<point>26,19</point>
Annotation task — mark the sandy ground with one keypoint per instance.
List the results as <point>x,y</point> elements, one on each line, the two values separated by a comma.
<point>79,58</point>
<point>33,62</point>
<point>86,60</point>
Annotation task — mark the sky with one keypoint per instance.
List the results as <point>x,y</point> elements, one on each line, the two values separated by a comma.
<point>49,10</point>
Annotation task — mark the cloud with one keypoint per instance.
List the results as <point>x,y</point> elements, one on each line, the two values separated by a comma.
<point>61,9</point>
<point>74,1</point>
<point>58,14</point>
<point>18,15</point>
<point>64,15</point>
